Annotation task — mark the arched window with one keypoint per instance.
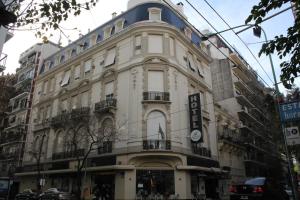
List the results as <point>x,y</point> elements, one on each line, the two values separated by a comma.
<point>156,126</point>
<point>99,38</point>
<point>59,142</point>
<point>73,52</point>
<point>107,130</point>
<point>62,58</point>
<point>36,144</point>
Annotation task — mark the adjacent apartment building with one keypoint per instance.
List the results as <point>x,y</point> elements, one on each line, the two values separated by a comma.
<point>143,79</point>
<point>14,135</point>
<point>250,149</point>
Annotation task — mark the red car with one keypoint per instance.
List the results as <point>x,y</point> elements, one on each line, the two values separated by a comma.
<point>260,188</point>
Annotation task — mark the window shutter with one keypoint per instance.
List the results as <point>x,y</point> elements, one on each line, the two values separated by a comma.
<point>84,99</point>
<point>109,89</point>
<point>66,78</point>
<point>110,58</point>
<point>156,81</point>
<point>77,72</point>
<point>155,44</point>
<point>87,66</point>
<point>191,62</point>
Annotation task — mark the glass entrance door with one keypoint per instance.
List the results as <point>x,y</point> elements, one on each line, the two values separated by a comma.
<point>155,184</point>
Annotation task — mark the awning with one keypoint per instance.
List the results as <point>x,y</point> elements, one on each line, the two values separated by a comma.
<point>88,169</point>
<point>204,169</point>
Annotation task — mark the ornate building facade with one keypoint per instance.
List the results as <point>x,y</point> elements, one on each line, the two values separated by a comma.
<point>127,84</point>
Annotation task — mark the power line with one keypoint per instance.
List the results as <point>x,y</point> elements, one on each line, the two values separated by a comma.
<point>228,42</point>
<point>239,38</point>
<point>199,32</point>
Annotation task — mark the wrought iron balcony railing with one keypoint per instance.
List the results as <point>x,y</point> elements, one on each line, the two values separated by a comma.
<point>68,154</point>
<point>80,113</point>
<point>105,147</point>
<point>156,96</point>
<point>105,105</point>
<point>157,145</point>
<point>232,137</point>
<point>60,119</point>
<point>202,151</point>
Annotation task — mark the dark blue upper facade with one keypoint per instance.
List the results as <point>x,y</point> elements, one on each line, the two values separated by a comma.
<point>136,14</point>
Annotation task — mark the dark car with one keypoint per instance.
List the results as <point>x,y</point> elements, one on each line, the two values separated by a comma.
<point>259,188</point>
<point>27,194</point>
<point>55,194</point>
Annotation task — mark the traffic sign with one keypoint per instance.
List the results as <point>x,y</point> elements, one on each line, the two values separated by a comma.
<point>290,111</point>
<point>292,135</point>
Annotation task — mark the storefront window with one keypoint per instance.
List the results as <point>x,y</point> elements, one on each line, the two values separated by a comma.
<point>155,184</point>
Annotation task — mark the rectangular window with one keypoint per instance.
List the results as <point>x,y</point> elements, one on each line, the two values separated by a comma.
<point>107,32</point>
<point>138,44</point>
<point>154,14</point>
<point>48,112</point>
<point>64,105</point>
<point>77,72</point>
<point>202,99</point>
<point>119,25</point>
<point>171,40</point>
<point>190,62</point>
<point>45,89</point>
<point>66,79</point>
<point>74,102</point>
<point>85,99</point>
<point>51,85</point>
<point>110,58</point>
<point>87,66</point>
<point>200,68</point>
<point>41,114</point>
<point>155,44</point>
<point>156,81</point>
<point>109,90</point>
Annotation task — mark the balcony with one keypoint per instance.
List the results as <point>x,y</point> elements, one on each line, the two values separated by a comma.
<point>105,147</point>
<point>243,100</point>
<point>106,105</point>
<point>3,58</point>
<point>201,151</point>
<point>10,155</point>
<point>241,85</point>
<point>45,124</point>
<point>156,96</point>
<point>244,114</point>
<point>156,145</point>
<point>68,154</point>
<point>59,120</point>
<point>80,114</point>
<point>231,137</point>
<point>11,138</point>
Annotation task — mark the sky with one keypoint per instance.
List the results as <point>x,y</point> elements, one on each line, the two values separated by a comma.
<point>233,11</point>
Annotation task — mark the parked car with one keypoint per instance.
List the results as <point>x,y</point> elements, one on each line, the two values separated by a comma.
<point>27,194</point>
<point>56,194</point>
<point>260,188</point>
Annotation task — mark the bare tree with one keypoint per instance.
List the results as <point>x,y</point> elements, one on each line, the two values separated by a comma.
<point>85,134</point>
<point>36,152</point>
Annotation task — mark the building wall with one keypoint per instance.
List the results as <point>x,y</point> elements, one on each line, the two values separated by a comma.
<point>141,49</point>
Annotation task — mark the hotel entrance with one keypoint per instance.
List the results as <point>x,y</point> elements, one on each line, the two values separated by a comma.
<point>155,184</point>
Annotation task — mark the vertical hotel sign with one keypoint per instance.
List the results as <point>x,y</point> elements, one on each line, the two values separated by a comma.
<point>195,118</point>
